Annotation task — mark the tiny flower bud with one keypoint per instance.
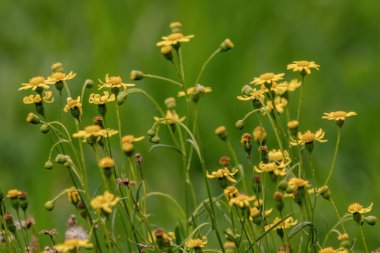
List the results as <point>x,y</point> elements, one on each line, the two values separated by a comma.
<point>44,128</point>
<point>57,67</point>
<point>167,52</point>
<point>175,26</point>
<point>121,97</point>
<point>155,139</point>
<point>136,75</point>
<point>170,103</point>
<point>325,193</point>
<point>371,220</point>
<point>139,159</point>
<point>240,124</point>
<point>226,45</point>
<point>60,158</point>
<point>32,118</point>
<point>221,132</point>
<point>293,127</point>
<point>49,205</point>
<point>246,90</point>
<point>151,132</point>
<point>10,223</point>
<point>88,83</point>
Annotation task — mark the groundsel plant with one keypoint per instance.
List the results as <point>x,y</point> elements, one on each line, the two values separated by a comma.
<point>266,202</point>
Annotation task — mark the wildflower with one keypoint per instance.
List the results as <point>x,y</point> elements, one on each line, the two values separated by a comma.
<point>106,162</point>
<point>73,244</point>
<point>259,135</point>
<point>195,92</point>
<point>303,67</point>
<point>358,208</point>
<point>308,139</point>
<point>223,173</point>
<point>241,200</point>
<point>48,232</point>
<point>94,133</point>
<point>57,67</point>
<point>296,183</point>
<point>231,192</point>
<point>35,99</point>
<point>267,79</point>
<point>338,116</point>
<point>271,167</point>
<point>127,143</point>
<point>221,131</point>
<point>131,139</point>
<point>174,39</point>
<point>255,215</point>
<point>293,127</point>
<point>37,84</point>
<point>14,193</point>
<point>98,99</point>
<point>293,84</point>
<point>76,232</point>
<point>254,95</point>
<point>124,181</point>
<point>277,224</point>
<point>33,118</point>
<point>196,243</point>
<point>9,223</point>
<point>59,77</point>
<point>73,195</point>
<point>279,104</point>
<point>75,106</point>
<point>246,142</point>
<point>115,83</point>
<point>170,118</point>
<point>104,202</point>
<point>281,158</point>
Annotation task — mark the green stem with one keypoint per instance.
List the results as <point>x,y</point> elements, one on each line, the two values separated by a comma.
<point>334,158</point>
<point>206,63</point>
<point>363,238</point>
<point>163,79</point>
<point>300,99</point>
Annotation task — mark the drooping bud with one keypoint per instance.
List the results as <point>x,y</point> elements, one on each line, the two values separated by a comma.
<point>371,220</point>
<point>240,124</point>
<point>226,45</point>
<point>88,83</point>
<point>33,118</point>
<point>49,205</point>
<point>136,75</point>
<point>44,128</point>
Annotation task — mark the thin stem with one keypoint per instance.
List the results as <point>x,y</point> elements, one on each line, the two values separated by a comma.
<point>163,79</point>
<point>334,158</point>
<point>300,99</point>
<point>363,238</point>
<point>205,64</point>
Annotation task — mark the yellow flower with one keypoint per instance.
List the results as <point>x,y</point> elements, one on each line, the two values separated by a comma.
<point>35,83</point>
<point>296,183</point>
<point>14,193</point>
<point>98,99</point>
<point>170,118</point>
<point>95,132</point>
<point>255,94</point>
<point>195,92</point>
<point>60,76</point>
<point>293,124</point>
<point>35,99</point>
<point>196,243</point>
<point>73,244</point>
<point>174,39</point>
<point>279,157</point>
<point>327,250</point>
<point>131,139</point>
<point>308,137</point>
<point>223,173</point>
<point>267,78</point>
<point>106,162</point>
<point>271,167</point>
<point>73,104</point>
<point>338,115</point>
<point>358,208</point>
<point>259,134</point>
<point>279,104</point>
<point>241,200</point>
<point>278,224</point>
<point>343,237</point>
<point>57,67</point>
<point>73,195</point>
<point>104,202</point>
<point>303,66</point>
<point>114,82</point>
<point>254,212</point>
<point>293,84</point>
<point>231,192</point>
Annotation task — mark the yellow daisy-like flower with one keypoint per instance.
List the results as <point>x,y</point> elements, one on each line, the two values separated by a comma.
<point>267,78</point>
<point>231,192</point>
<point>36,83</point>
<point>104,202</point>
<point>279,157</point>
<point>296,183</point>
<point>358,208</point>
<point>35,99</point>
<point>170,118</point>
<point>14,193</point>
<point>223,173</point>
<point>272,167</point>
<point>114,82</point>
<point>256,94</point>
<point>95,132</point>
<point>308,137</point>
<point>279,104</point>
<point>241,200</point>
<point>338,115</point>
<point>196,243</point>
<point>73,244</point>
<point>174,39</point>
<point>131,139</point>
<point>106,162</point>
<point>73,104</point>
<point>278,224</point>
<point>303,67</point>
<point>73,195</point>
<point>98,99</point>
<point>60,76</point>
<point>254,212</point>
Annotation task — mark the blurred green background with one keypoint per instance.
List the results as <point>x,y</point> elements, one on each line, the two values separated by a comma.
<point>94,38</point>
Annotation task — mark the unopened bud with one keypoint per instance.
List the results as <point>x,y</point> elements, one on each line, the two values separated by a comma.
<point>226,45</point>
<point>221,132</point>
<point>44,128</point>
<point>240,124</point>
<point>49,205</point>
<point>155,139</point>
<point>293,127</point>
<point>170,103</point>
<point>121,97</point>
<point>136,75</point>
<point>88,83</point>
<point>371,220</point>
<point>151,132</point>
<point>175,26</point>
<point>33,118</point>
<point>246,90</point>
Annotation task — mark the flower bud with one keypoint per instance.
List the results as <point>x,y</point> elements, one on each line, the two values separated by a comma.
<point>136,75</point>
<point>230,247</point>
<point>176,27</point>
<point>371,220</point>
<point>49,205</point>
<point>23,200</point>
<point>325,193</point>
<point>246,90</point>
<point>98,121</point>
<point>44,128</point>
<point>224,161</point>
<point>10,223</point>
<point>57,67</point>
<point>221,131</point>
<point>170,103</point>
<point>226,45</point>
<point>246,142</point>
<point>167,52</point>
<point>121,97</point>
<point>257,184</point>
<point>128,148</point>
<point>88,83</point>
<point>293,127</point>
<point>155,139</point>
<point>151,132</point>
<point>33,118</point>
<point>60,158</point>
<point>240,124</point>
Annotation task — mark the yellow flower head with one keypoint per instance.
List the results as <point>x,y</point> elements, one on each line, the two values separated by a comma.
<point>338,115</point>
<point>73,195</point>
<point>303,67</point>
<point>98,99</point>
<point>73,104</point>
<point>104,202</point>
<point>259,134</point>
<point>254,212</point>
<point>293,84</point>
<point>358,208</point>
<point>279,104</point>
<point>35,83</point>
<point>255,94</point>
<point>223,173</point>
<point>14,193</point>
<point>36,99</point>
<point>343,237</point>
<point>114,82</point>
<point>296,183</point>
<point>293,124</point>
<point>131,139</point>
<point>106,162</point>
<point>174,39</point>
<point>278,224</point>
<point>196,243</point>
<point>94,132</point>
<point>271,167</point>
<point>170,118</point>
<point>267,79</point>
<point>327,250</point>
<point>241,200</point>
<point>56,67</point>
<point>279,157</point>
<point>60,76</point>
<point>73,244</point>
<point>309,137</point>
<point>231,192</point>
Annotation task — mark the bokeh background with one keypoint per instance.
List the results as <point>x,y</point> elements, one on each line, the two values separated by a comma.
<point>95,37</point>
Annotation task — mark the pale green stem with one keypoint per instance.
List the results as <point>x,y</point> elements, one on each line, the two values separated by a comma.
<point>363,238</point>
<point>334,158</point>
<point>300,99</point>
<point>163,79</point>
<point>206,63</point>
